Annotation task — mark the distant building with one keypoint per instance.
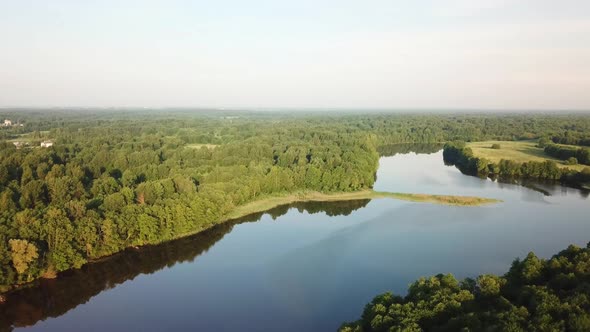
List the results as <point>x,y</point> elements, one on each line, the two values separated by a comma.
<point>46,144</point>
<point>18,144</point>
<point>7,123</point>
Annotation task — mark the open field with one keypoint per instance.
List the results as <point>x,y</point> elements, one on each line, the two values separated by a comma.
<point>23,138</point>
<point>198,146</point>
<point>271,202</point>
<point>28,137</point>
<point>519,151</point>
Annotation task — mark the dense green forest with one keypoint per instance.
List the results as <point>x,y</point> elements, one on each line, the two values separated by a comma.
<point>580,154</point>
<point>535,295</point>
<point>458,154</point>
<point>572,138</point>
<point>103,187</point>
<point>124,178</point>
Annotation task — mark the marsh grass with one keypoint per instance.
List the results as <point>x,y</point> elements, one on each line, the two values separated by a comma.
<point>268,203</point>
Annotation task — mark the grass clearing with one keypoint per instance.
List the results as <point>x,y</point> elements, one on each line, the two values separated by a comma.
<point>438,199</point>
<point>24,138</point>
<point>519,151</point>
<point>198,146</point>
<point>274,201</point>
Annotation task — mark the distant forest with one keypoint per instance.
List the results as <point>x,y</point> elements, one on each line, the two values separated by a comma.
<point>118,179</point>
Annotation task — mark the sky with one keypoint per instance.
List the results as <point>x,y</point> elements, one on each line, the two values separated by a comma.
<point>420,54</point>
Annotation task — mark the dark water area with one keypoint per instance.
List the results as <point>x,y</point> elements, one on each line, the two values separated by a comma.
<point>54,297</point>
<point>393,149</point>
<point>310,266</point>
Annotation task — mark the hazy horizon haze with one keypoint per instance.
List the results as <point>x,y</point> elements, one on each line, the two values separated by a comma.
<point>455,54</point>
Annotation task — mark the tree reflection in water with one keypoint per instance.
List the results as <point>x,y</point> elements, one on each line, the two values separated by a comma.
<point>54,297</point>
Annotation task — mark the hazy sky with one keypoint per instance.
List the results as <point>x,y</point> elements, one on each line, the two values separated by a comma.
<point>498,54</point>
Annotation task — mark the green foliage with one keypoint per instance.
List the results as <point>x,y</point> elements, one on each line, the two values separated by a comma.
<point>569,153</point>
<point>125,178</point>
<point>535,295</point>
<point>124,181</point>
<point>23,253</point>
<point>489,285</point>
<point>496,146</point>
<point>463,158</point>
<point>573,135</point>
<point>543,142</point>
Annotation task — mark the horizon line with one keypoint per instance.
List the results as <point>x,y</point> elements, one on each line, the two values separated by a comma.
<point>308,109</point>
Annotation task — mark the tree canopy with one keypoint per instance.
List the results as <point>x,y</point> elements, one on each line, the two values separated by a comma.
<point>118,179</point>
<point>534,295</point>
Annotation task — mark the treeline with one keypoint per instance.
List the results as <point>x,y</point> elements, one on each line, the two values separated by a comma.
<point>198,126</point>
<point>535,295</point>
<point>580,155</point>
<point>458,154</point>
<point>572,138</point>
<point>441,128</point>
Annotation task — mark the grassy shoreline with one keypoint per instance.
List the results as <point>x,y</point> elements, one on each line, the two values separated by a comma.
<point>274,201</point>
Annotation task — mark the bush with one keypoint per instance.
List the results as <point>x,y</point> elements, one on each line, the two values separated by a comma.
<point>496,146</point>
<point>543,142</point>
<point>572,161</point>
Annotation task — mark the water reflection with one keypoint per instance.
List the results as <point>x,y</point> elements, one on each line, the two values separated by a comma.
<point>544,186</point>
<point>393,149</point>
<point>55,297</point>
<point>422,168</point>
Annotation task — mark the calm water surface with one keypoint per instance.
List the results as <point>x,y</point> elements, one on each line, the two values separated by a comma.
<point>310,266</point>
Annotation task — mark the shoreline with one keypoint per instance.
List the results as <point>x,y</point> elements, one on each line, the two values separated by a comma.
<point>267,203</point>
<point>264,204</point>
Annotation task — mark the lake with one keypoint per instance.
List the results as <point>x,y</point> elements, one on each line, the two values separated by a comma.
<point>310,266</point>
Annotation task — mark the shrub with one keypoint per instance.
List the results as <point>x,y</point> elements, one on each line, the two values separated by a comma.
<point>496,146</point>
<point>543,142</point>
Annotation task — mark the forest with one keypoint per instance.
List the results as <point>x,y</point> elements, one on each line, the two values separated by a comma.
<point>534,295</point>
<point>572,138</point>
<point>575,154</point>
<point>115,179</point>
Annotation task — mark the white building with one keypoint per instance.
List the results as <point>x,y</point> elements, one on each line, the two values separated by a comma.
<point>46,144</point>
<point>7,123</point>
